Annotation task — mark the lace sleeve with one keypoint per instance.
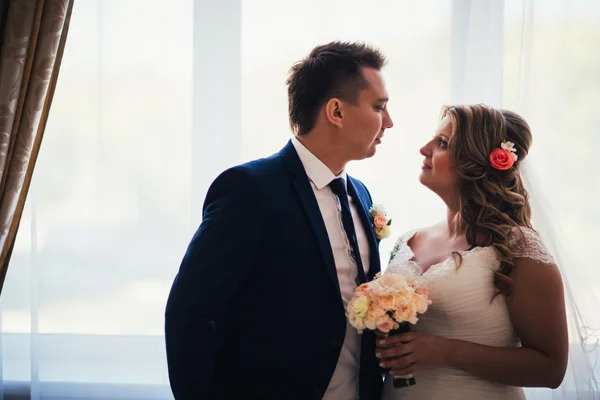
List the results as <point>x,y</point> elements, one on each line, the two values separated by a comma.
<point>400,257</point>
<point>400,249</point>
<point>527,243</point>
<point>396,248</point>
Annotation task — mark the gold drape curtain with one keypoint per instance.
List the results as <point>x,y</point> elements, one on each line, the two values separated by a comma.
<point>32,39</point>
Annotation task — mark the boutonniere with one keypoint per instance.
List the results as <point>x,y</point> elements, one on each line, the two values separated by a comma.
<point>381,223</point>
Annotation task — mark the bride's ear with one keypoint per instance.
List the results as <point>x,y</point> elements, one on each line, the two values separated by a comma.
<point>334,112</point>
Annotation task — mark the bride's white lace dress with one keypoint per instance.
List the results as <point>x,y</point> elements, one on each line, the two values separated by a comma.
<point>462,308</point>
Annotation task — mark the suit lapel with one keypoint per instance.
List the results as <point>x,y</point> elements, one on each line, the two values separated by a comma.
<point>309,203</point>
<point>364,204</point>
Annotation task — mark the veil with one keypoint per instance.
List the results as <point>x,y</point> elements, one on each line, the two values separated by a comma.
<point>582,305</point>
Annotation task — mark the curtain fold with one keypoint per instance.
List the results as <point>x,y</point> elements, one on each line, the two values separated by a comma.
<point>33,39</point>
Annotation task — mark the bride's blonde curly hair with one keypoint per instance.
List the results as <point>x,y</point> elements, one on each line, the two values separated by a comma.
<point>494,203</point>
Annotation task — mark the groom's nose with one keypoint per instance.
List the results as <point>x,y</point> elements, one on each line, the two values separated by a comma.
<point>387,120</point>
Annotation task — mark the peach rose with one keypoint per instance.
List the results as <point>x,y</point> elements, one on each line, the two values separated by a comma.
<point>401,314</point>
<point>501,159</point>
<point>386,302</point>
<point>386,324</point>
<point>373,316</point>
<point>363,289</point>
<point>379,221</point>
<point>375,312</point>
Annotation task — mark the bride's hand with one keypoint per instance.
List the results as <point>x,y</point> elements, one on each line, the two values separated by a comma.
<point>381,335</point>
<point>407,353</point>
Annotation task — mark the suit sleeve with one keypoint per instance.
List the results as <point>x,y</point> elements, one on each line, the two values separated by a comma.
<point>215,264</point>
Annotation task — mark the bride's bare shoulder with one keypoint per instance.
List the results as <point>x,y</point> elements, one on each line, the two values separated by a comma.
<point>429,233</point>
<point>422,233</point>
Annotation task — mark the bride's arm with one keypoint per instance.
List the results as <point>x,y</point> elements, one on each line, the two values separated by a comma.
<point>537,309</point>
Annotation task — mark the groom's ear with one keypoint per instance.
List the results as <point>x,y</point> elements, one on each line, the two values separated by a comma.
<point>334,112</point>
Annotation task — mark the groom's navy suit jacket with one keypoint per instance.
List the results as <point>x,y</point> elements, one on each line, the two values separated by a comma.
<point>255,311</point>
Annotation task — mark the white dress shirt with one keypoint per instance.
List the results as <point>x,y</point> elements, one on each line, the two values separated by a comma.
<point>344,383</point>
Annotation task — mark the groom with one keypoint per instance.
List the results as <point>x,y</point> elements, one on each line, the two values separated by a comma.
<point>257,308</point>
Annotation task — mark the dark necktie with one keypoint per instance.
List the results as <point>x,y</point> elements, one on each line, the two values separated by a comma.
<point>338,187</point>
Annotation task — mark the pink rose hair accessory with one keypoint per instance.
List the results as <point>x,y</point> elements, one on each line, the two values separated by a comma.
<point>503,157</point>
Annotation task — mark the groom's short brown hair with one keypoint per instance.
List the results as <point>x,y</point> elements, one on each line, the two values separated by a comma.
<point>330,70</point>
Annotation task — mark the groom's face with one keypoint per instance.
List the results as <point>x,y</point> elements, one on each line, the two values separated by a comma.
<point>366,121</point>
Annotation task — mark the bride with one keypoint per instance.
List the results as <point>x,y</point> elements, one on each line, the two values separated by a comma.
<point>497,322</point>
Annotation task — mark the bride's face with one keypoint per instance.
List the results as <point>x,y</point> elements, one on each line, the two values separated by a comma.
<point>438,172</point>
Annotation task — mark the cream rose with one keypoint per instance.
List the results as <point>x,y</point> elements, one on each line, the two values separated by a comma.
<point>383,232</point>
<point>360,306</point>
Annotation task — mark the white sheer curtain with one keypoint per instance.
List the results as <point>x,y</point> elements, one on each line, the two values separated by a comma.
<point>156,98</point>
<point>552,77</point>
<point>108,214</point>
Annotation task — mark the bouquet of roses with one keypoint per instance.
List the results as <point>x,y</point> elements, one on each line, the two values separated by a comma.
<point>389,303</point>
